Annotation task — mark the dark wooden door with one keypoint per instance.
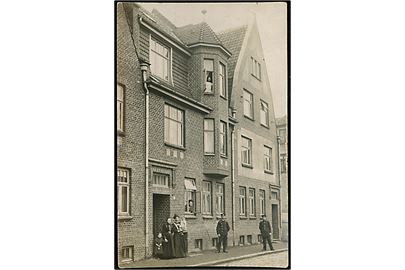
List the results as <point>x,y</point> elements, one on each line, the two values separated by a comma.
<point>275,221</point>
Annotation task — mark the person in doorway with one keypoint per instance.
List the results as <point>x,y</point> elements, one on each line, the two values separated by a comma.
<point>167,233</point>
<point>159,246</point>
<point>265,231</point>
<point>183,224</point>
<point>178,238</point>
<point>222,232</point>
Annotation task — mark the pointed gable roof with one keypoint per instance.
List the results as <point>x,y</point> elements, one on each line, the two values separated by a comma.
<point>232,39</point>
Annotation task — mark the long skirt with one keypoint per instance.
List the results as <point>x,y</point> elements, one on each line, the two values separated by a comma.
<point>179,249</point>
<point>168,248</point>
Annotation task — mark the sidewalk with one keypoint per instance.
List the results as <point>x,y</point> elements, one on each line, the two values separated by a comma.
<point>208,257</point>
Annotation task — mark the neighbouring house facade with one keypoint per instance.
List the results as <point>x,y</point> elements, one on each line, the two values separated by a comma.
<point>282,132</point>
<point>196,132</point>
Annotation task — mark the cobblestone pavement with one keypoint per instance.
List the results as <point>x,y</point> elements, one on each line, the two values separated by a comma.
<point>270,260</point>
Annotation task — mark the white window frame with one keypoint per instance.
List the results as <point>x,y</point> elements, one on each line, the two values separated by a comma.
<point>252,202</point>
<point>130,250</point>
<point>159,176</point>
<point>207,133</point>
<point>248,149</point>
<point>208,90</point>
<point>268,158</point>
<point>222,80</point>
<point>262,201</point>
<point>153,52</point>
<point>179,122</point>
<point>120,107</point>
<point>242,201</point>
<point>223,134</point>
<point>123,173</point>
<point>264,113</point>
<point>256,68</point>
<point>190,194</point>
<point>219,199</point>
<point>248,99</point>
<point>207,198</point>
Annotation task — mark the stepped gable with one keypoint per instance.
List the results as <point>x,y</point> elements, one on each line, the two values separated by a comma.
<point>232,39</point>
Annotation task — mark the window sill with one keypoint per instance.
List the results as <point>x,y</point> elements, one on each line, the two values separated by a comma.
<point>257,78</point>
<point>207,217</point>
<point>218,217</point>
<point>248,117</point>
<point>243,217</point>
<point>247,166</point>
<point>124,217</point>
<point>120,133</point>
<point>223,97</point>
<point>190,216</point>
<point>175,146</point>
<point>252,217</point>
<point>209,93</point>
<point>209,154</point>
<point>266,126</point>
<point>269,172</point>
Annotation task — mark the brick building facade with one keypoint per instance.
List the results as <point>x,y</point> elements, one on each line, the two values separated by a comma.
<point>183,125</point>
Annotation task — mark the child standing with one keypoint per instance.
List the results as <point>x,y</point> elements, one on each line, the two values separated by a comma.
<point>158,246</point>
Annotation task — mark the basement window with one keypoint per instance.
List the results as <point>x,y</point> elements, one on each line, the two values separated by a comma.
<point>127,253</point>
<point>198,244</point>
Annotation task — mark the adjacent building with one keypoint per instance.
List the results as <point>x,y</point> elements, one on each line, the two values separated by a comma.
<point>196,132</point>
<point>282,132</point>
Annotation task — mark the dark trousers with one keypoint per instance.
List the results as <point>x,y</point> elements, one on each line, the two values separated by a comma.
<point>224,240</point>
<point>267,238</point>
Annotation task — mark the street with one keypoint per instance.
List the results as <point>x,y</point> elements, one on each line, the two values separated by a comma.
<point>270,260</point>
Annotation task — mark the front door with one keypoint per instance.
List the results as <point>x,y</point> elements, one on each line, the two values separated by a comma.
<point>275,221</point>
<point>161,211</point>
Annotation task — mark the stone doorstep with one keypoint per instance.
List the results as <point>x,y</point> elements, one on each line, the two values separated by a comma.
<point>238,258</point>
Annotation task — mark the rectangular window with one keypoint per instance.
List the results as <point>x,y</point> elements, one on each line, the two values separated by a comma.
<point>283,162</point>
<point>123,191</point>
<point>174,125</point>
<point>268,159</point>
<point>209,75</point>
<point>207,199</point>
<point>159,59</point>
<point>242,201</point>
<point>160,180</point>
<point>120,108</point>
<point>264,113</point>
<point>274,195</point>
<point>247,104</point>
<point>242,240</point>
<point>246,151</point>
<point>198,244</point>
<point>209,136</point>
<point>249,239</point>
<point>262,201</point>
<point>222,138</point>
<point>127,253</point>
<point>259,238</point>
<point>189,196</point>
<point>222,80</point>
<point>219,198</point>
<point>252,202</point>
<point>256,68</point>
<point>283,136</point>
<point>214,242</point>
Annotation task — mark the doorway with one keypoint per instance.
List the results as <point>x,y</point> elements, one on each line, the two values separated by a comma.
<point>161,211</point>
<point>275,221</point>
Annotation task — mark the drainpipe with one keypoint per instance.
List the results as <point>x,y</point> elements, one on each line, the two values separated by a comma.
<point>233,178</point>
<point>144,70</point>
<point>281,193</point>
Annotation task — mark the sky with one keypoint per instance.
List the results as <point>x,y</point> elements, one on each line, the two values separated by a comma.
<point>272,23</point>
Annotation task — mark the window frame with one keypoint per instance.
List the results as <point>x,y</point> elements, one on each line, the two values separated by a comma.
<point>256,69</point>
<point>242,201</point>
<point>223,135</point>
<point>262,201</point>
<point>207,203</point>
<point>250,144</point>
<point>193,193</point>
<point>268,156</point>
<point>212,92</point>
<point>129,258</point>
<point>168,58</point>
<point>251,104</point>
<point>182,122</point>
<point>121,114</point>
<point>213,136</point>
<point>167,178</point>
<point>217,196</point>
<point>120,185</point>
<point>283,163</point>
<point>222,81</point>
<point>252,202</point>
<point>266,113</point>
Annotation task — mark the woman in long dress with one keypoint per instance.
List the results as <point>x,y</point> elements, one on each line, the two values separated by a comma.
<point>179,249</point>
<point>168,243</point>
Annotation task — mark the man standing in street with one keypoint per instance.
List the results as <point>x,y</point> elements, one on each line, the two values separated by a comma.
<point>222,232</point>
<point>265,230</point>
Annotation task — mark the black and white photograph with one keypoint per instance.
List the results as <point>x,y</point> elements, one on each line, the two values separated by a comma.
<point>202,135</point>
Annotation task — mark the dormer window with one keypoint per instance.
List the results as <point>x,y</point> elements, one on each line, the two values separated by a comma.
<point>159,59</point>
<point>208,76</point>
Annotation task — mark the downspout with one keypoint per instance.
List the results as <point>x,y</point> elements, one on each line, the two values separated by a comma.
<point>233,178</point>
<point>144,70</point>
<point>281,193</point>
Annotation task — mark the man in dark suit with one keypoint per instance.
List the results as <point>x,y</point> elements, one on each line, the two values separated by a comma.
<point>265,230</point>
<point>222,232</point>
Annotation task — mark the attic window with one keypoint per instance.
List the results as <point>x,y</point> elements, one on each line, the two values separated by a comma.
<point>159,59</point>
<point>208,75</point>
